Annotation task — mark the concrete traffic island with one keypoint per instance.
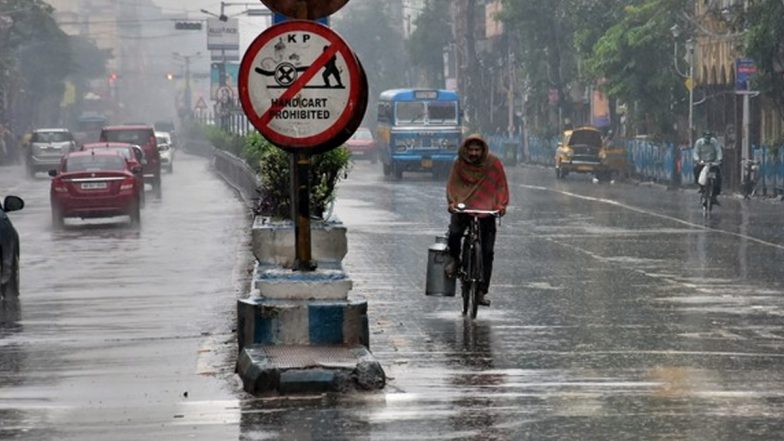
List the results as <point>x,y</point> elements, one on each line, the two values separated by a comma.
<point>298,332</point>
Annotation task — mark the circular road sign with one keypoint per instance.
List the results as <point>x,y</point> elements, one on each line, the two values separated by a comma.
<point>302,87</point>
<point>315,8</point>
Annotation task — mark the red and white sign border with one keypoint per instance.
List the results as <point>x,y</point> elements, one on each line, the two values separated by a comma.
<point>347,118</point>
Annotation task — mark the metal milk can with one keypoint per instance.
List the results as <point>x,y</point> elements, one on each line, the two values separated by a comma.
<point>438,284</point>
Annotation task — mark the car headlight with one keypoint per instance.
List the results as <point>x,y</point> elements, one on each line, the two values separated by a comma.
<point>568,153</point>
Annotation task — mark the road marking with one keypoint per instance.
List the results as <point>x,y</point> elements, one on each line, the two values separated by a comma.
<point>652,213</point>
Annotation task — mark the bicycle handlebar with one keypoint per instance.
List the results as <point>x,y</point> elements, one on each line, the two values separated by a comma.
<point>461,209</point>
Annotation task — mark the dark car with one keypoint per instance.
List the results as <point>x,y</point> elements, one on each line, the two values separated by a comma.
<point>143,136</point>
<point>9,247</point>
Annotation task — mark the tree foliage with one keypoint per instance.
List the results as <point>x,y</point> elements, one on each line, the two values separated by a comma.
<point>630,56</point>
<point>765,44</point>
<point>368,28</point>
<point>432,34</point>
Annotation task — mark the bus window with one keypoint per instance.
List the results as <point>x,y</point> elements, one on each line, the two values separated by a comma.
<point>442,112</point>
<point>384,112</point>
<point>409,112</point>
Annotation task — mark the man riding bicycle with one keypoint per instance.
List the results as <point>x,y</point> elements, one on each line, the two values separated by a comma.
<point>708,150</point>
<point>478,181</point>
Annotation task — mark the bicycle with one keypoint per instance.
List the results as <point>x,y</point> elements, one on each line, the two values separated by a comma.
<point>471,270</point>
<point>707,181</point>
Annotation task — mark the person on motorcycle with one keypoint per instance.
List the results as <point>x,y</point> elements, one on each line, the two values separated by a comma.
<point>708,150</point>
<point>478,180</point>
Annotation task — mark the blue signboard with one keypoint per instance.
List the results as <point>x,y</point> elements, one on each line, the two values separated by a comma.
<point>280,18</point>
<point>744,70</point>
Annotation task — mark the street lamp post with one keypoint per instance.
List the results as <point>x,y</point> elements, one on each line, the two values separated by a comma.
<point>187,60</point>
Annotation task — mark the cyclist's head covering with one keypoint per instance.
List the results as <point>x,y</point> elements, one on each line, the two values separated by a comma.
<point>707,134</point>
<point>475,140</point>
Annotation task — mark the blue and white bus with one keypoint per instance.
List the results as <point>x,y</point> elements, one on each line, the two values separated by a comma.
<point>418,130</point>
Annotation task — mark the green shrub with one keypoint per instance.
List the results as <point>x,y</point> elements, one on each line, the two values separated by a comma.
<point>273,166</point>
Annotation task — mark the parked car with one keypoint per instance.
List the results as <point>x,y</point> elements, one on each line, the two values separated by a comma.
<point>581,151</point>
<point>143,136</point>
<point>133,154</point>
<point>93,184</point>
<point>363,145</point>
<point>9,247</point>
<point>46,147</point>
<point>166,150</point>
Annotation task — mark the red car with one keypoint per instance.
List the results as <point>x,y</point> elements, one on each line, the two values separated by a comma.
<point>132,153</point>
<point>362,145</point>
<point>143,136</point>
<point>94,184</point>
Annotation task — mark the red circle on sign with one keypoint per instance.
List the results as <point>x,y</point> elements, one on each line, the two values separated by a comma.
<point>349,117</point>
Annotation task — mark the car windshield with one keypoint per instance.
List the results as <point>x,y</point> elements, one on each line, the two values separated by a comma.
<point>162,139</point>
<point>138,137</point>
<point>51,137</point>
<point>362,134</point>
<point>409,112</point>
<point>93,163</point>
<point>443,112</point>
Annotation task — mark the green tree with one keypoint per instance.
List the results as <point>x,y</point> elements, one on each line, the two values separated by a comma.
<point>36,56</point>
<point>543,35</point>
<point>367,26</point>
<point>631,56</point>
<point>432,34</point>
<point>765,44</point>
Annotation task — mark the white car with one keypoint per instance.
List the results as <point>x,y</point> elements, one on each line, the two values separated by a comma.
<point>166,150</point>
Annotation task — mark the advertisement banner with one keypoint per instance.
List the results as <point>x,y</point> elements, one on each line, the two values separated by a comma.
<point>230,83</point>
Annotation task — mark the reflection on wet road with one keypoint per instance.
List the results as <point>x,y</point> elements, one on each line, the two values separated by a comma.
<point>120,332</point>
<point>618,313</point>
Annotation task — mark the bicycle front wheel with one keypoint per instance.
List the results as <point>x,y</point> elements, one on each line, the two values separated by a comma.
<point>473,296</point>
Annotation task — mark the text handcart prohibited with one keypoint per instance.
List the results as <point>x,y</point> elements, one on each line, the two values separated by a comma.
<point>302,87</point>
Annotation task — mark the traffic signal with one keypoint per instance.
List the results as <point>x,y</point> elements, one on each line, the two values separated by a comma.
<point>113,76</point>
<point>187,25</point>
<point>169,76</point>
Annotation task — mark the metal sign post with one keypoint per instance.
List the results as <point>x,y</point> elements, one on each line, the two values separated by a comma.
<point>304,89</point>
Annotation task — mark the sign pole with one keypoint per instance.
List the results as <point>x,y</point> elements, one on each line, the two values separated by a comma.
<point>300,210</point>
<point>300,195</point>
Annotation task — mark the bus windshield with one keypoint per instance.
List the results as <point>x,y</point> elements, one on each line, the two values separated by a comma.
<point>409,112</point>
<point>442,112</point>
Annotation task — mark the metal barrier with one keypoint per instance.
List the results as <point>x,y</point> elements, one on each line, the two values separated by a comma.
<point>771,171</point>
<point>541,150</point>
<point>507,148</point>
<point>237,173</point>
<point>650,160</point>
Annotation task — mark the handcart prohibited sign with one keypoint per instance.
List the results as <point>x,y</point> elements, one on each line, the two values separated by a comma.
<point>302,87</point>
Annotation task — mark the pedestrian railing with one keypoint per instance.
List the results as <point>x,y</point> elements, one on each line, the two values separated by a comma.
<point>237,173</point>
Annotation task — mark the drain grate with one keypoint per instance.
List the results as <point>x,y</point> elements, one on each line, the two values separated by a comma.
<point>290,357</point>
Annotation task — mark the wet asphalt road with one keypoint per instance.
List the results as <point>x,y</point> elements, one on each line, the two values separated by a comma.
<point>618,313</point>
<point>114,325</point>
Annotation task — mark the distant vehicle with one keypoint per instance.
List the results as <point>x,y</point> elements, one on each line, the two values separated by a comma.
<point>166,150</point>
<point>418,130</point>
<point>143,136</point>
<point>46,147</point>
<point>93,184</point>
<point>88,128</point>
<point>363,145</point>
<point>583,150</point>
<point>132,153</point>
<point>9,247</point>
